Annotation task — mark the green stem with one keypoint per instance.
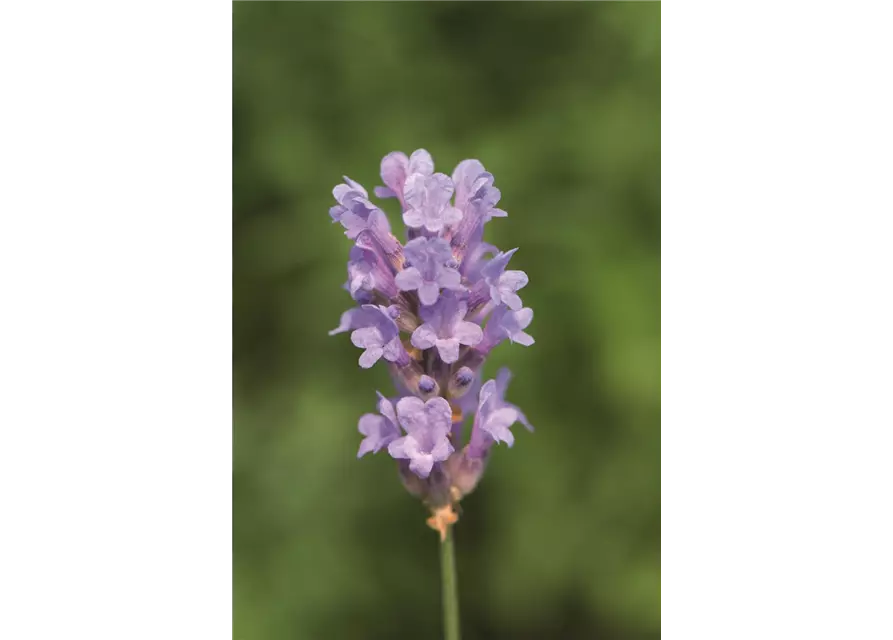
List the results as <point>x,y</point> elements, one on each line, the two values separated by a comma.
<point>450,588</point>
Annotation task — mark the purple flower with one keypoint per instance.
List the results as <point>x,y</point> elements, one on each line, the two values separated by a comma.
<point>505,323</point>
<point>494,416</point>
<point>427,200</point>
<point>354,208</point>
<point>396,168</point>
<point>367,272</point>
<point>427,426</point>
<point>504,284</point>
<point>375,331</point>
<point>476,197</point>
<point>380,430</point>
<point>446,328</point>
<point>429,271</point>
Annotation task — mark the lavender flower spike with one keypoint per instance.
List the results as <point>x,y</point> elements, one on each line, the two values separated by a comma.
<point>380,430</point>
<point>445,329</point>
<point>421,308</point>
<point>429,258</point>
<point>427,425</point>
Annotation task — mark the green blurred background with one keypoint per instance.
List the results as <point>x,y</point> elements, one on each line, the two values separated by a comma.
<point>561,102</point>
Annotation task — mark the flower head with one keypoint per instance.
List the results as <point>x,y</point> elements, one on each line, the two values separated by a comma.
<point>421,308</point>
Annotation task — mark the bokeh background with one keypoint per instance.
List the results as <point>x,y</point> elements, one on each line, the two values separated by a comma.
<point>561,102</point>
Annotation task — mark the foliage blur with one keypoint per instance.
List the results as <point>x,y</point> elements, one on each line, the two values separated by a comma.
<point>561,102</point>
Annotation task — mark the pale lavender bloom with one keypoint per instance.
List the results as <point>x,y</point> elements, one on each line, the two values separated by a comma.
<point>464,176</point>
<point>375,331</point>
<point>354,208</point>
<point>505,323</point>
<point>504,284</point>
<point>494,416</point>
<point>476,197</point>
<point>427,426</point>
<point>445,328</point>
<point>429,271</point>
<point>367,272</point>
<point>396,168</point>
<point>473,262</point>
<point>380,430</point>
<point>427,200</point>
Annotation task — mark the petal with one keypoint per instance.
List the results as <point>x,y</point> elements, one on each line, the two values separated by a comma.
<point>442,450</point>
<point>409,279</point>
<point>451,215</point>
<point>497,265</point>
<point>393,350</point>
<point>356,186</point>
<point>370,356</point>
<point>450,279</point>
<point>512,300</point>
<point>347,321</point>
<point>513,280</point>
<point>366,337</point>
<point>421,162</point>
<point>366,446</point>
<point>468,333</point>
<point>369,424</point>
<point>448,349</point>
<point>393,171</point>
<point>413,218</point>
<point>397,449</point>
<point>428,293</point>
<point>422,464</point>
<point>411,413</point>
<point>523,318</point>
<point>433,221</point>
<point>386,408</point>
<point>501,434</point>
<point>522,338</point>
<point>439,415</point>
<point>414,193</point>
<point>384,192</point>
<point>439,189</point>
<point>487,391</point>
<point>416,251</point>
<point>424,337</point>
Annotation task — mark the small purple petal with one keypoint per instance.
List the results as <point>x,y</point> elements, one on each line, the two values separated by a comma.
<point>421,162</point>
<point>424,337</point>
<point>384,192</point>
<point>409,279</point>
<point>413,218</point>
<point>448,348</point>
<point>428,293</point>
<point>366,337</point>
<point>370,356</point>
<point>468,333</point>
